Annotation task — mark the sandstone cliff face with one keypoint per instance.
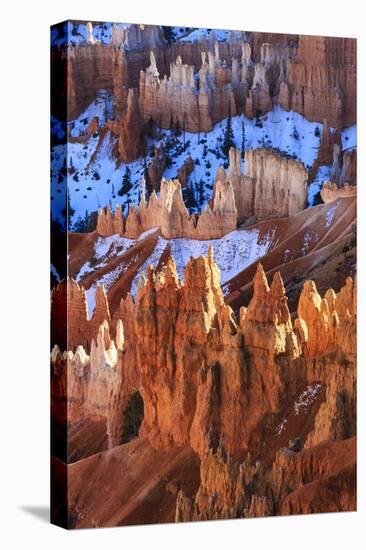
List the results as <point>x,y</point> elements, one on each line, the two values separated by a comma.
<point>322,80</point>
<point>89,69</point>
<point>229,82</point>
<point>89,388</point>
<point>329,321</point>
<point>172,100</point>
<point>70,321</point>
<point>297,483</point>
<point>273,185</point>
<point>185,171</point>
<point>92,66</point>
<point>129,144</point>
<point>95,386</point>
<point>280,183</point>
<point>331,191</point>
<point>108,223</point>
<point>253,487</point>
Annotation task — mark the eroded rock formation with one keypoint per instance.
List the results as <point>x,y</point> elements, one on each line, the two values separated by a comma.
<point>156,168</point>
<point>313,75</point>
<point>70,321</point>
<point>129,144</point>
<point>234,390</point>
<point>169,212</point>
<point>190,325</point>
<point>273,185</point>
<point>322,80</point>
<point>331,191</point>
<point>94,385</point>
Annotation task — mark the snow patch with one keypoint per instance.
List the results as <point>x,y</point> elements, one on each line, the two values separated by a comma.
<point>84,271</point>
<point>330,214</point>
<point>322,175</point>
<point>281,427</point>
<point>233,253</point>
<point>306,398</point>
<point>152,260</point>
<point>349,138</point>
<point>204,34</point>
<point>73,33</point>
<point>93,176</point>
<point>147,233</point>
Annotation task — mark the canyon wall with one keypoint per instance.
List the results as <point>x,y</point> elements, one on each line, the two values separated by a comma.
<point>273,185</point>
<point>91,66</point>
<point>321,80</point>
<point>199,83</point>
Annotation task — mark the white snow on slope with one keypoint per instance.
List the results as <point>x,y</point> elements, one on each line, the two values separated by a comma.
<point>349,137</point>
<point>330,213</point>
<point>201,34</point>
<point>306,398</point>
<point>95,178</point>
<point>115,245</point>
<point>233,253</point>
<point>153,259</point>
<point>101,108</point>
<point>74,33</point>
<point>322,175</point>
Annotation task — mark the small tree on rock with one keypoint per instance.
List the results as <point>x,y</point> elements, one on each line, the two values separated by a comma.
<point>126,183</point>
<point>228,136</point>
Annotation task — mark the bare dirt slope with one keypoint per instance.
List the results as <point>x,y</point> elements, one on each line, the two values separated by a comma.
<point>309,245</point>
<point>130,485</point>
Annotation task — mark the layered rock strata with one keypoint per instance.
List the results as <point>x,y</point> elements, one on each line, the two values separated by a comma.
<point>273,185</point>
<point>321,80</point>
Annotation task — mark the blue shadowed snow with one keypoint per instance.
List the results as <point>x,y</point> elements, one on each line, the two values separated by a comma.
<point>95,177</point>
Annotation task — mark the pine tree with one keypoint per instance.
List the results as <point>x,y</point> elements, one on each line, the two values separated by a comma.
<point>189,199</point>
<point>243,139</point>
<point>228,136</point>
<point>169,34</point>
<point>126,183</point>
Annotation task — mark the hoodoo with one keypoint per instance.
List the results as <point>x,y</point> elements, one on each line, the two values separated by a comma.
<point>204,263</point>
